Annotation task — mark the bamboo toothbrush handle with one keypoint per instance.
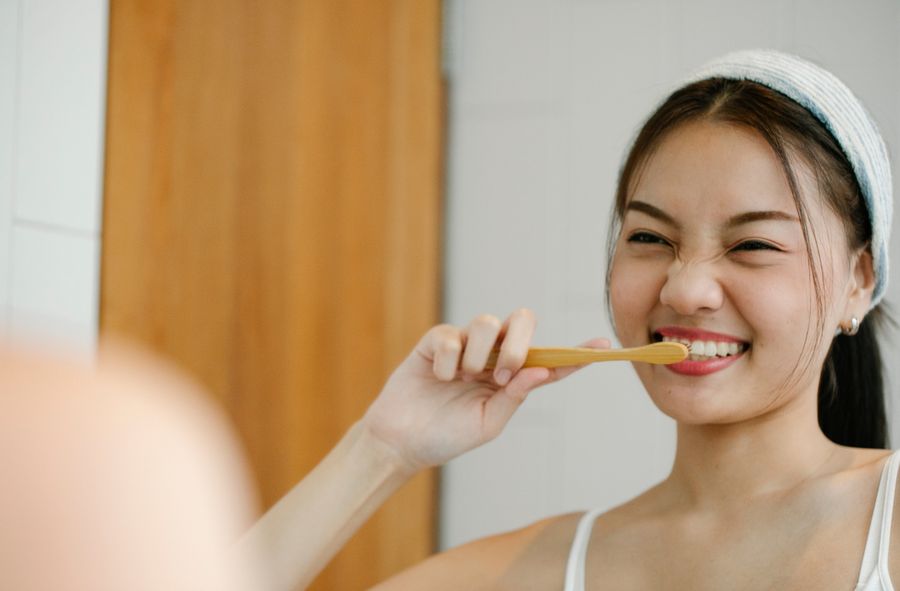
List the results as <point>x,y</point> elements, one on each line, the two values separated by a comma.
<point>657,353</point>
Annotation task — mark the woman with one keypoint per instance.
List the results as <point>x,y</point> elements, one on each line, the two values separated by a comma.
<point>751,221</point>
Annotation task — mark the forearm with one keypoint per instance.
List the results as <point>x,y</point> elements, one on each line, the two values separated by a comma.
<point>298,536</point>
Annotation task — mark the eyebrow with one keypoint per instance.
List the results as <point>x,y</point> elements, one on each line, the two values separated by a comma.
<point>737,220</point>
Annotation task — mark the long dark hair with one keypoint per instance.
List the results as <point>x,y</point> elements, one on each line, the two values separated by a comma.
<point>851,386</point>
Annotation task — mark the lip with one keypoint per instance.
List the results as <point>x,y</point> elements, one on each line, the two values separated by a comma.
<point>696,334</point>
<point>702,368</point>
<point>690,367</point>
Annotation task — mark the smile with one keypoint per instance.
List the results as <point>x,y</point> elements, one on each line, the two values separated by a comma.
<point>709,352</point>
<point>703,350</point>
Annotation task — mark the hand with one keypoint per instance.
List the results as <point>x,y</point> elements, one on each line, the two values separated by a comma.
<point>441,402</point>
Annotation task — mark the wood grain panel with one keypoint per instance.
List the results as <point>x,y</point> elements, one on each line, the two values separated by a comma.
<point>271,221</point>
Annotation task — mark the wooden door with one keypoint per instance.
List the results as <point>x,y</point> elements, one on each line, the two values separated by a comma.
<point>271,221</point>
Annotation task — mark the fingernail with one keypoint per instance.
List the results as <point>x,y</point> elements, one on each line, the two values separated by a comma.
<point>502,376</point>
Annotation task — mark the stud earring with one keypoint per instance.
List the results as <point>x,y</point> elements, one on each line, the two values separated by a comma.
<point>854,327</point>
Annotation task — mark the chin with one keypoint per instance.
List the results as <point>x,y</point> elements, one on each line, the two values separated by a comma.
<point>693,406</point>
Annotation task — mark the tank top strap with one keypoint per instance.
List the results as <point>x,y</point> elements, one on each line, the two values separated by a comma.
<point>578,552</point>
<point>875,556</point>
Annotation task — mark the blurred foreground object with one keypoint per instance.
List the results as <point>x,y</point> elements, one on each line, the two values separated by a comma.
<point>118,476</point>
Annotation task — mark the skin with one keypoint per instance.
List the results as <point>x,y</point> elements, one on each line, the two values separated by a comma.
<point>117,475</point>
<point>758,497</point>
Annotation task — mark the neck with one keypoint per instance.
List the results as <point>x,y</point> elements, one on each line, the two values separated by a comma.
<point>724,465</point>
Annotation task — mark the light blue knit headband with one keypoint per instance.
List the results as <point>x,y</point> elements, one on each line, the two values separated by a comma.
<point>830,101</point>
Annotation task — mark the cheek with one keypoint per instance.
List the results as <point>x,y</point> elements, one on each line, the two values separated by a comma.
<point>779,308</point>
<point>633,292</point>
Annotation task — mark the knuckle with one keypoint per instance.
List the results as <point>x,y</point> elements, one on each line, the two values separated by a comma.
<point>444,329</point>
<point>524,313</point>
<point>445,332</point>
<point>513,358</point>
<point>444,374</point>
<point>449,345</point>
<point>487,321</point>
<point>470,367</point>
<point>472,363</point>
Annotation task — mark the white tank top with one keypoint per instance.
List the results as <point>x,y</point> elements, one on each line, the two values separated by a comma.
<point>873,573</point>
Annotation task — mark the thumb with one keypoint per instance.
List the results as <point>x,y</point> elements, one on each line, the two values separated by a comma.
<point>501,406</point>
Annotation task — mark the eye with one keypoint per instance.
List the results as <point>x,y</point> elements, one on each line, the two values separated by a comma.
<point>754,245</point>
<point>647,238</point>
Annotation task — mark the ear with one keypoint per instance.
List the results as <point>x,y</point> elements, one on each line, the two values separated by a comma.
<point>862,284</point>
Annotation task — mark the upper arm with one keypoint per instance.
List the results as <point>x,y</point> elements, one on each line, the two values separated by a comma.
<point>531,558</point>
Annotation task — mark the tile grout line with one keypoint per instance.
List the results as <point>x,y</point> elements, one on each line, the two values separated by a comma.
<point>55,228</point>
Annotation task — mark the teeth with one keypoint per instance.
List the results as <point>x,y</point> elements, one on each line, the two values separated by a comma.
<point>702,350</point>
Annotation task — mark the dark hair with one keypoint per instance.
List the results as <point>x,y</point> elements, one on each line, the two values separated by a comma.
<point>851,389</point>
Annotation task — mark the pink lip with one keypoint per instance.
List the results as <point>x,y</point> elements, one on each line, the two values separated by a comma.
<point>700,368</point>
<point>696,334</point>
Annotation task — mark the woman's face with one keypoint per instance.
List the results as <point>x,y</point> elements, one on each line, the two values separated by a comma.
<point>712,250</point>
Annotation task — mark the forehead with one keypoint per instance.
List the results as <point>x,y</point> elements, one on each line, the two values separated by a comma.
<point>717,169</point>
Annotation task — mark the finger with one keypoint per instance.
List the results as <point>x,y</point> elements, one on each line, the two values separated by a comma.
<point>559,373</point>
<point>501,406</point>
<point>480,338</point>
<point>514,349</point>
<point>444,348</point>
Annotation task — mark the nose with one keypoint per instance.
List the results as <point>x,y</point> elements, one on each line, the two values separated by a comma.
<point>691,288</point>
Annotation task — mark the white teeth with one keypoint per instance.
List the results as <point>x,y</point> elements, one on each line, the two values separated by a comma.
<point>707,349</point>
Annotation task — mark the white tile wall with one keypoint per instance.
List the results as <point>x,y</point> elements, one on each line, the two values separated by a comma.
<point>61,102</point>
<point>703,29</point>
<point>545,95</point>
<point>528,456</point>
<point>515,155</point>
<point>9,19</point>
<point>55,279</point>
<point>522,60</point>
<point>52,110</point>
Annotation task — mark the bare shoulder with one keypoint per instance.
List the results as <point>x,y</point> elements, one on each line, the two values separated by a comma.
<point>532,558</point>
<point>868,465</point>
<point>894,547</point>
<point>866,458</point>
